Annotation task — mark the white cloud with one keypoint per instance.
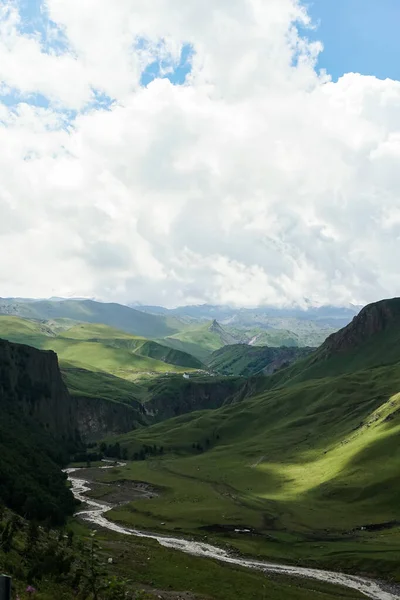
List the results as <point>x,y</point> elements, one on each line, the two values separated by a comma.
<point>258,181</point>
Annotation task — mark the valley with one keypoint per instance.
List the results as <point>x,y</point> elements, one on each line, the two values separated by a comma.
<point>280,455</point>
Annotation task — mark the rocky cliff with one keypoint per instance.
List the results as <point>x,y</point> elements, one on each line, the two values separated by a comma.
<point>31,383</point>
<point>179,396</point>
<point>373,319</point>
<point>37,427</point>
<point>97,417</point>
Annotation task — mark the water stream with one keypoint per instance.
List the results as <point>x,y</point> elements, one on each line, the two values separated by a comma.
<point>95,511</point>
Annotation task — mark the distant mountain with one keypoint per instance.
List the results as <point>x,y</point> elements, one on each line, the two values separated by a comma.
<point>271,326</point>
<point>245,361</point>
<point>113,315</point>
<point>331,316</point>
<point>201,340</point>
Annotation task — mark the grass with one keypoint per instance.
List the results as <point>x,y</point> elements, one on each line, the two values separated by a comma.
<point>359,352</point>
<point>244,360</point>
<point>157,571</point>
<point>151,567</point>
<point>208,579</point>
<point>81,382</point>
<point>99,348</point>
<point>316,461</point>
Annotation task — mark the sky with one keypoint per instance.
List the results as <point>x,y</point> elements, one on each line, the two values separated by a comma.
<point>235,152</point>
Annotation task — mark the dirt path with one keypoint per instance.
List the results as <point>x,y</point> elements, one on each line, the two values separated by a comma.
<point>259,461</point>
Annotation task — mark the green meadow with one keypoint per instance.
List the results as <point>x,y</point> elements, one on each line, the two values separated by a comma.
<point>99,348</point>
<point>311,470</point>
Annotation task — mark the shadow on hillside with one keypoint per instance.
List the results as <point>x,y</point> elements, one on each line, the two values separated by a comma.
<point>367,489</point>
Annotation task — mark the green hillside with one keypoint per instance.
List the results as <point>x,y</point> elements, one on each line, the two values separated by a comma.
<point>99,348</point>
<point>309,467</point>
<point>243,360</point>
<point>90,384</point>
<point>114,315</point>
<point>373,339</point>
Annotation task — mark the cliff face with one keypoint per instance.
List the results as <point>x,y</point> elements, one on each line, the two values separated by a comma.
<point>31,383</point>
<point>37,420</point>
<point>189,396</point>
<point>372,320</point>
<point>97,417</point>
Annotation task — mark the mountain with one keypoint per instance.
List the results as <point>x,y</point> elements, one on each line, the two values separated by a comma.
<point>329,316</point>
<point>176,328</point>
<point>371,340</point>
<point>114,315</point>
<point>243,360</point>
<point>270,326</point>
<point>37,426</point>
<point>201,340</point>
<point>302,468</point>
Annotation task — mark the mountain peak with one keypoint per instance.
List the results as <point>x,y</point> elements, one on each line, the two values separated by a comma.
<point>372,319</point>
<point>215,326</point>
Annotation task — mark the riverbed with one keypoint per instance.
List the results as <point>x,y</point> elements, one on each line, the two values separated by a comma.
<point>95,513</point>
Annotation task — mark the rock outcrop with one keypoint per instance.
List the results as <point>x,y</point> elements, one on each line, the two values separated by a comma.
<point>97,417</point>
<point>372,320</point>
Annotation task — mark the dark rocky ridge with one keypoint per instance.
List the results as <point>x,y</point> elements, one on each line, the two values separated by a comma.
<point>30,382</point>
<point>372,320</point>
<point>32,386</point>
<point>190,395</point>
<point>97,417</point>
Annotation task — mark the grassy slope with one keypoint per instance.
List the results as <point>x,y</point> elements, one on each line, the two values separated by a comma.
<point>81,382</point>
<point>381,349</point>
<point>99,348</point>
<point>190,347</point>
<point>246,361</point>
<point>306,465</point>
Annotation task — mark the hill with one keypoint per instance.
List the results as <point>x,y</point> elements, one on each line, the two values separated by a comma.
<point>246,361</point>
<point>99,348</point>
<point>114,315</point>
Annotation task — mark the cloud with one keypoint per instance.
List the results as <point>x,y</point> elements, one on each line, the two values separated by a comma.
<point>257,181</point>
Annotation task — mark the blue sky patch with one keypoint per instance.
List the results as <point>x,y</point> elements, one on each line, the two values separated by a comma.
<point>359,36</point>
<point>175,73</point>
<point>35,21</point>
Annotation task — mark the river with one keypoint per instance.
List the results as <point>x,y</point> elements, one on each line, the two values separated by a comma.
<point>95,513</point>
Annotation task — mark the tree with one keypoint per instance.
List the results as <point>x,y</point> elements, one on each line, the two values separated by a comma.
<point>90,571</point>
